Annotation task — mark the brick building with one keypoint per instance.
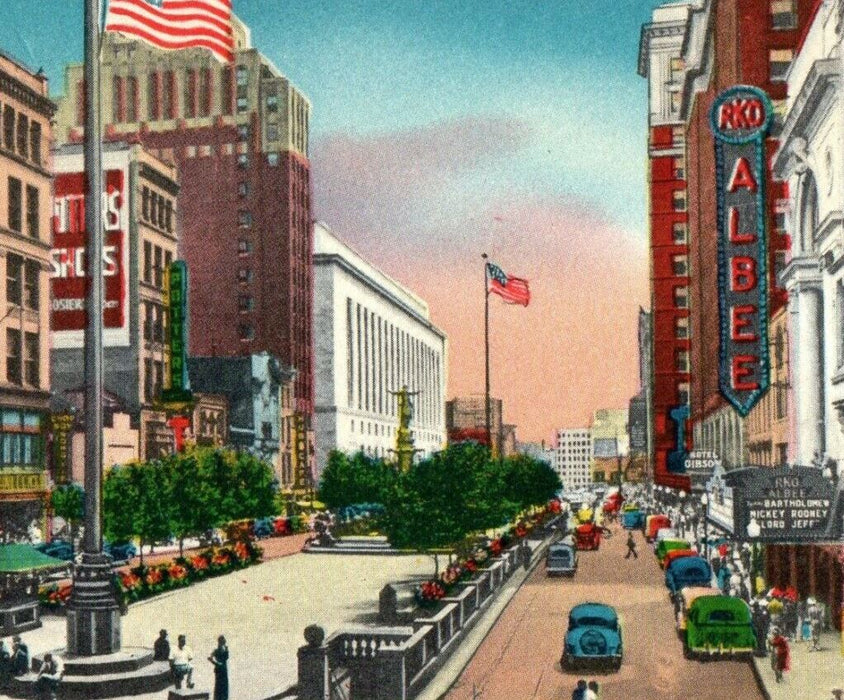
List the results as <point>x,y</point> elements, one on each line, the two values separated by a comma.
<point>239,137</point>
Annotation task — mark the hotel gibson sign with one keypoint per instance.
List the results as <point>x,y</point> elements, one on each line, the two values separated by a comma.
<point>740,118</point>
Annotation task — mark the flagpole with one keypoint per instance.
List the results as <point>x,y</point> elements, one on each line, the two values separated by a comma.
<point>486,355</point>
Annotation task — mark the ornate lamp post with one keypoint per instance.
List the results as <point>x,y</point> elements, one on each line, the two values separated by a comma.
<point>753,532</point>
<point>704,501</point>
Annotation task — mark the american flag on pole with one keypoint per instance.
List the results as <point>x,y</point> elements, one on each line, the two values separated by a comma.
<point>176,24</point>
<point>513,290</point>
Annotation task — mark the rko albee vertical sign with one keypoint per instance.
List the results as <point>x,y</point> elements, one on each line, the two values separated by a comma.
<point>740,118</point>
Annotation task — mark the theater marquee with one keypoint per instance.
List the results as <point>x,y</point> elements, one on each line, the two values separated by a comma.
<point>740,118</point>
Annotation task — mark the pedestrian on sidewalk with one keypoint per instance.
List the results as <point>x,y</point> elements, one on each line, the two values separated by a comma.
<point>161,647</point>
<point>631,547</point>
<point>180,662</point>
<point>579,693</point>
<point>815,617</point>
<point>780,655</point>
<point>593,690</point>
<point>220,660</point>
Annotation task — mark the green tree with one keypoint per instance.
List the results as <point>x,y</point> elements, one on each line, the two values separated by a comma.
<point>68,502</point>
<point>357,479</point>
<point>119,497</point>
<point>152,514</point>
<point>192,496</point>
<point>255,487</point>
<point>530,482</point>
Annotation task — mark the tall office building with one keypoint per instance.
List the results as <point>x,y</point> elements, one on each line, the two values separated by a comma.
<point>238,134</point>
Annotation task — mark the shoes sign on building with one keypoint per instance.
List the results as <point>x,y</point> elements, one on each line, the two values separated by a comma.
<point>740,117</point>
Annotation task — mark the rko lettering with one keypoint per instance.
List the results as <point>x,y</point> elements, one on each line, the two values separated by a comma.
<point>740,118</point>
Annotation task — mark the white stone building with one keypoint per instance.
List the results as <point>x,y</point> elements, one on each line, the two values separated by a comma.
<point>811,158</point>
<point>372,336</point>
<point>573,457</point>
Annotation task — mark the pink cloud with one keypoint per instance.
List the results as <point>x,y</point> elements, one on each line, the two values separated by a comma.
<point>574,349</point>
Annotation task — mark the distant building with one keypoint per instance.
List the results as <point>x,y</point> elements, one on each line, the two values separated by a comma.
<point>610,442</point>
<point>25,211</point>
<point>465,418</point>
<point>537,450</point>
<point>372,336</point>
<point>573,457</point>
<point>253,387</point>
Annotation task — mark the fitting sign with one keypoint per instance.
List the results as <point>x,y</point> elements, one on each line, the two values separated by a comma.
<point>740,118</point>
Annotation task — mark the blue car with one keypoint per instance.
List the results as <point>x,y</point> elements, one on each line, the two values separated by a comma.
<point>632,519</point>
<point>120,551</point>
<point>57,548</point>
<point>688,571</point>
<point>593,637</point>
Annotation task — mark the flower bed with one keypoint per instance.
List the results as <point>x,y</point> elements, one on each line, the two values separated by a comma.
<point>142,582</point>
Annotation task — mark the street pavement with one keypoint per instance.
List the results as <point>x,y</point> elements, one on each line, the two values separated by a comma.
<point>520,657</point>
<point>813,674</point>
<point>262,612</point>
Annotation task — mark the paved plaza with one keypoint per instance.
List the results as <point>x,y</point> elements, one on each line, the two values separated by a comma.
<point>261,611</point>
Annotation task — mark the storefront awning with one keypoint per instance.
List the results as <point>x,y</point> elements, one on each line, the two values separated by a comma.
<point>16,558</point>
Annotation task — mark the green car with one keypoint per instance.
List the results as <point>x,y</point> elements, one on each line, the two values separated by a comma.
<point>719,626</point>
<point>666,546</point>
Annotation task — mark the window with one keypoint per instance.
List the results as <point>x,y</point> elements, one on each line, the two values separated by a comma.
<point>679,168</point>
<point>32,368</point>
<point>243,132</point>
<point>272,159</point>
<point>8,127</point>
<point>162,212</point>
<point>131,99</point>
<point>681,360</point>
<point>783,14</point>
<point>226,89</point>
<point>118,97</point>
<point>272,103</point>
<point>679,200</point>
<point>242,160</point>
<point>145,203</point>
<point>780,221</point>
<point>678,135</point>
<point>168,259</point>
<point>23,136</point>
<point>780,60</point>
<point>158,377</point>
<point>15,204</point>
<point>244,274</point>
<point>680,265</point>
<point>243,189</point>
<point>189,89</point>
<point>31,270</point>
<point>147,261</point>
<point>32,211</point>
<point>266,430</point>
<point>158,323</point>
<point>169,101</point>
<point>157,268</point>
<point>148,379</point>
<point>247,332</point>
<point>679,233</point>
<point>205,92</point>
<point>14,279</point>
<point>244,219</point>
<point>677,67</point>
<point>13,356</point>
<point>147,321</point>
<point>779,266</point>
<point>168,216</point>
<point>247,303</point>
<point>272,132</point>
<point>35,142</point>
<point>244,247</point>
<point>839,299</point>
<point>242,104</point>
<point>681,297</point>
<point>681,328</point>
<point>154,96</point>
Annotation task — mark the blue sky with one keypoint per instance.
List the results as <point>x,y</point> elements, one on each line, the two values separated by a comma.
<point>443,127</point>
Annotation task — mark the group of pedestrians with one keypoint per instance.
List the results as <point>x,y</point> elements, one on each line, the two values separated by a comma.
<point>586,691</point>
<point>181,662</point>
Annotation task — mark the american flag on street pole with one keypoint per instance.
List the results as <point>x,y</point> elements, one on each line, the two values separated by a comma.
<point>513,290</point>
<point>176,24</point>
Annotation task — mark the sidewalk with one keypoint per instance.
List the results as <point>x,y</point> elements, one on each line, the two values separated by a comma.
<point>813,675</point>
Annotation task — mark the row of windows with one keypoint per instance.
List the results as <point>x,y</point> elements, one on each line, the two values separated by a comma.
<point>23,210</point>
<point>20,135</point>
<point>155,322</point>
<point>22,281</point>
<point>153,379</point>
<point>20,450</point>
<point>157,210</point>
<point>23,352</point>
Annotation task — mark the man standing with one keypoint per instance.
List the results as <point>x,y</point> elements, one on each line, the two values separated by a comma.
<point>161,648</point>
<point>180,661</point>
<point>631,547</point>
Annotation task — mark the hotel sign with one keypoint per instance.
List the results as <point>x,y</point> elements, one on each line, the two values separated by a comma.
<point>22,482</point>
<point>740,118</point>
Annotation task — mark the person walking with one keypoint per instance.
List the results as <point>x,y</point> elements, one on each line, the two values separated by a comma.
<point>780,654</point>
<point>592,690</point>
<point>579,693</point>
<point>815,617</point>
<point>631,547</point>
<point>220,660</point>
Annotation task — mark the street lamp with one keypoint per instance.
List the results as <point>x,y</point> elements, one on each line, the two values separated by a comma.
<point>753,532</point>
<point>704,501</point>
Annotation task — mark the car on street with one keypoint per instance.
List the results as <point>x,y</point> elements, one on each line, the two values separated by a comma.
<point>654,523</point>
<point>683,601</point>
<point>57,548</point>
<point>561,559</point>
<point>677,554</point>
<point>120,551</point>
<point>665,533</point>
<point>688,571</point>
<point>632,519</point>
<point>593,637</point>
<point>719,626</point>
<point>667,545</point>
<point>587,536</point>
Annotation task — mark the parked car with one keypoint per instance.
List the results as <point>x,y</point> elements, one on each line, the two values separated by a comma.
<point>665,533</point>
<point>263,527</point>
<point>719,626</point>
<point>677,554</point>
<point>561,559</point>
<point>57,548</point>
<point>585,515</point>
<point>120,551</point>
<point>593,637</point>
<point>587,536</point>
<point>683,601</point>
<point>632,519</point>
<point>667,545</point>
<point>688,571</point>
<point>655,523</point>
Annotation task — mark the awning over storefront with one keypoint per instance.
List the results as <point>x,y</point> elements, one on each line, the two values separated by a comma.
<point>17,558</point>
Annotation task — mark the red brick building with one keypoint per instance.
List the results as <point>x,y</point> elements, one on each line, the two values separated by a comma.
<point>239,136</point>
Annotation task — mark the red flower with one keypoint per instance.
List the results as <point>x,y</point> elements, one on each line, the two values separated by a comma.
<point>199,563</point>
<point>154,576</point>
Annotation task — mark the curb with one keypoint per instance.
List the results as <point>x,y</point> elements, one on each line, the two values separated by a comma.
<point>757,674</point>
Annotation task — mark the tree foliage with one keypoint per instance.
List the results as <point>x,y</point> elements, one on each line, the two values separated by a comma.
<point>68,502</point>
<point>530,482</point>
<point>357,479</point>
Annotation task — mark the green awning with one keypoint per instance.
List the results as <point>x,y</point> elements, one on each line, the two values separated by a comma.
<point>15,558</point>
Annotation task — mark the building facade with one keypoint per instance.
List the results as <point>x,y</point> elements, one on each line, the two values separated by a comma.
<point>239,136</point>
<point>573,457</point>
<point>25,115</point>
<point>661,63</point>
<point>373,337</point>
<point>465,420</point>
<point>141,239</point>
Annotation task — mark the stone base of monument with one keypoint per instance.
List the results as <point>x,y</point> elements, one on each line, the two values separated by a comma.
<point>188,694</point>
<point>130,671</point>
